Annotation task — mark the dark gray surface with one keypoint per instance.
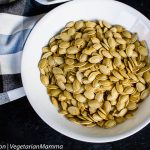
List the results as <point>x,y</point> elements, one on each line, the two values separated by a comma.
<point>16,7</point>
<point>19,124</point>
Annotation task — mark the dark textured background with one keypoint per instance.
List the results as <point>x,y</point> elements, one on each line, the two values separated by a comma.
<point>19,124</point>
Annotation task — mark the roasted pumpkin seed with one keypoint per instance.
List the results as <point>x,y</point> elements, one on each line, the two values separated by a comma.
<point>95,73</point>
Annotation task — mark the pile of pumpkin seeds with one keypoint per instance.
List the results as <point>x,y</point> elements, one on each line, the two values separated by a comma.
<point>96,73</point>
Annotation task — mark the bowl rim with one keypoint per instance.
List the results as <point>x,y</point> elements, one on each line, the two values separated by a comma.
<point>87,139</point>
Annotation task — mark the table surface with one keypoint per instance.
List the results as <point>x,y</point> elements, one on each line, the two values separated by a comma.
<point>19,124</point>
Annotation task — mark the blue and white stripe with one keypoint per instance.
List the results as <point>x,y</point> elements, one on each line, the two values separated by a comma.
<point>14,31</point>
<point>12,40</point>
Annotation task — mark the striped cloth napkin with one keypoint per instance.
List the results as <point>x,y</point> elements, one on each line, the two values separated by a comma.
<point>14,31</point>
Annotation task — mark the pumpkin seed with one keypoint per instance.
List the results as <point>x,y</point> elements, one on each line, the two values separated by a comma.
<point>140,87</point>
<point>119,119</point>
<point>95,73</point>
<point>55,102</point>
<point>143,50</point>
<point>55,92</point>
<point>112,42</point>
<point>120,41</point>
<point>126,34</point>
<point>79,25</point>
<point>95,40</point>
<point>119,88</point>
<point>86,122</point>
<point>43,63</point>
<point>106,54</point>
<point>80,98</point>
<point>89,94</point>
<point>145,94</point>
<point>104,69</point>
<point>117,75</point>
<point>73,110</point>
<point>65,37</point>
<point>132,106</point>
<point>69,88</point>
<point>70,24</point>
<point>147,76</point>
<point>71,31</point>
<point>64,44</point>
<point>45,80</point>
<point>106,24</point>
<point>76,86</point>
<point>92,76</point>
<point>72,50</point>
<point>129,116</point>
<point>120,105</point>
<point>129,50</point>
<point>110,124</point>
<point>107,107</point>
<point>95,59</point>
<point>99,96</point>
<point>90,24</point>
<point>103,116</point>
<point>122,112</point>
<point>129,90</point>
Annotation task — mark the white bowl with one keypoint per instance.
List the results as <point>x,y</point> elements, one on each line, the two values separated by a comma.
<point>112,11</point>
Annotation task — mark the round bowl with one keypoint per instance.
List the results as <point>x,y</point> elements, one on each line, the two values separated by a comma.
<point>111,11</point>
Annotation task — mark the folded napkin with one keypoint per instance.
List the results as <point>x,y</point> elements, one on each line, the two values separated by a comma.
<point>14,31</point>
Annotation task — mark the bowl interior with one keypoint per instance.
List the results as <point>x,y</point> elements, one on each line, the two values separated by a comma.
<point>115,13</point>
